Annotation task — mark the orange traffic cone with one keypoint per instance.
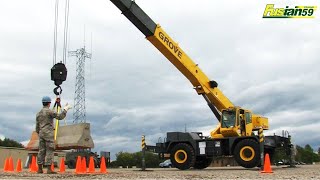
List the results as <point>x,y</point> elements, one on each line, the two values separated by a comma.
<point>62,166</point>
<point>103,167</point>
<point>78,165</point>
<point>84,165</point>
<point>267,165</point>
<point>52,167</point>
<point>6,165</point>
<point>33,166</point>
<point>19,166</point>
<point>91,165</point>
<point>11,166</point>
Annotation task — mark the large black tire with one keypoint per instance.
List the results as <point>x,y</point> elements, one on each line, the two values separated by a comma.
<point>182,156</point>
<point>247,153</point>
<point>202,162</point>
<point>71,164</point>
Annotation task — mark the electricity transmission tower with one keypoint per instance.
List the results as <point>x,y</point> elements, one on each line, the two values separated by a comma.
<point>79,111</point>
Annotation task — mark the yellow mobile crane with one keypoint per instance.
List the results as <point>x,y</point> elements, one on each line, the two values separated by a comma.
<point>235,134</point>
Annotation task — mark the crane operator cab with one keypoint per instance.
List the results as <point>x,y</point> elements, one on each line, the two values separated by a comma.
<point>235,122</point>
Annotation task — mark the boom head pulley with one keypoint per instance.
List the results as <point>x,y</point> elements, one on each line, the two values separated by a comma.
<point>58,75</point>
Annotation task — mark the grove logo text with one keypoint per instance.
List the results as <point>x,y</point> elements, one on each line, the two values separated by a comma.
<point>287,12</point>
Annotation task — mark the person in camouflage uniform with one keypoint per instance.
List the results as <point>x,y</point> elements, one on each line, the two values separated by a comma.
<point>45,130</point>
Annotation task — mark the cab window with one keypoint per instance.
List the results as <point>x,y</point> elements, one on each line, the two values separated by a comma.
<point>228,119</point>
<point>248,117</point>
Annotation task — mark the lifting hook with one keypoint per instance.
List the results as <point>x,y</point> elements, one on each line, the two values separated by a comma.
<point>56,92</point>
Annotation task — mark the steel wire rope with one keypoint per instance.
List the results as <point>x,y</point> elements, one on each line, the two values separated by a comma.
<point>66,27</point>
<point>56,13</point>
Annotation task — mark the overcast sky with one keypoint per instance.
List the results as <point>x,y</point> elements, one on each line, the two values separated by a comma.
<point>270,66</point>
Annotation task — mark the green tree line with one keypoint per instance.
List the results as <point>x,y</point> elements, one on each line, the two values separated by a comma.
<point>10,143</point>
<point>306,155</point>
<point>303,154</point>
<point>125,159</point>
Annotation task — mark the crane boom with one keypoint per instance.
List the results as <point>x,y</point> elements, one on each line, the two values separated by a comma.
<point>235,134</point>
<point>171,50</point>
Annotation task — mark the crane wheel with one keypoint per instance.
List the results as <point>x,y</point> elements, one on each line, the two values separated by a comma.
<point>182,156</point>
<point>202,162</point>
<point>247,153</point>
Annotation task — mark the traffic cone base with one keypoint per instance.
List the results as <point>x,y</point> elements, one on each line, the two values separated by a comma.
<point>267,165</point>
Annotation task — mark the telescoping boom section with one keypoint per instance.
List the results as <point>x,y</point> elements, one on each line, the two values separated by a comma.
<point>201,83</point>
<point>171,50</point>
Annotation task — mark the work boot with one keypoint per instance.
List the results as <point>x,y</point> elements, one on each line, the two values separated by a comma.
<point>40,169</point>
<point>49,171</point>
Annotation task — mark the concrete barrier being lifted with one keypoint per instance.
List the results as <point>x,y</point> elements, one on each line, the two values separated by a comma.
<point>75,136</point>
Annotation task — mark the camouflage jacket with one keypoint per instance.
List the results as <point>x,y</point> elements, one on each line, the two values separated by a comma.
<point>44,122</point>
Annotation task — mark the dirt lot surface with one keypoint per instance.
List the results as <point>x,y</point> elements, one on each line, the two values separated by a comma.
<point>301,172</point>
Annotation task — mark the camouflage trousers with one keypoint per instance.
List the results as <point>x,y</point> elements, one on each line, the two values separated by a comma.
<point>46,150</point>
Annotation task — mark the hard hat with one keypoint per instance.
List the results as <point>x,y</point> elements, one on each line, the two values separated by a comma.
<point>46,99</point>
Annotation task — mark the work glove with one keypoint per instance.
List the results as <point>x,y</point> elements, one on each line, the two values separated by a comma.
<point>67,107</point>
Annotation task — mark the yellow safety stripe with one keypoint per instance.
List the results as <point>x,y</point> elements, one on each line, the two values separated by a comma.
<point>143,142</point>
<point>260,132</point>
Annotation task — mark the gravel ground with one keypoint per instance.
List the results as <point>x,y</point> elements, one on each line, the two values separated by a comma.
<point>301,172</point>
